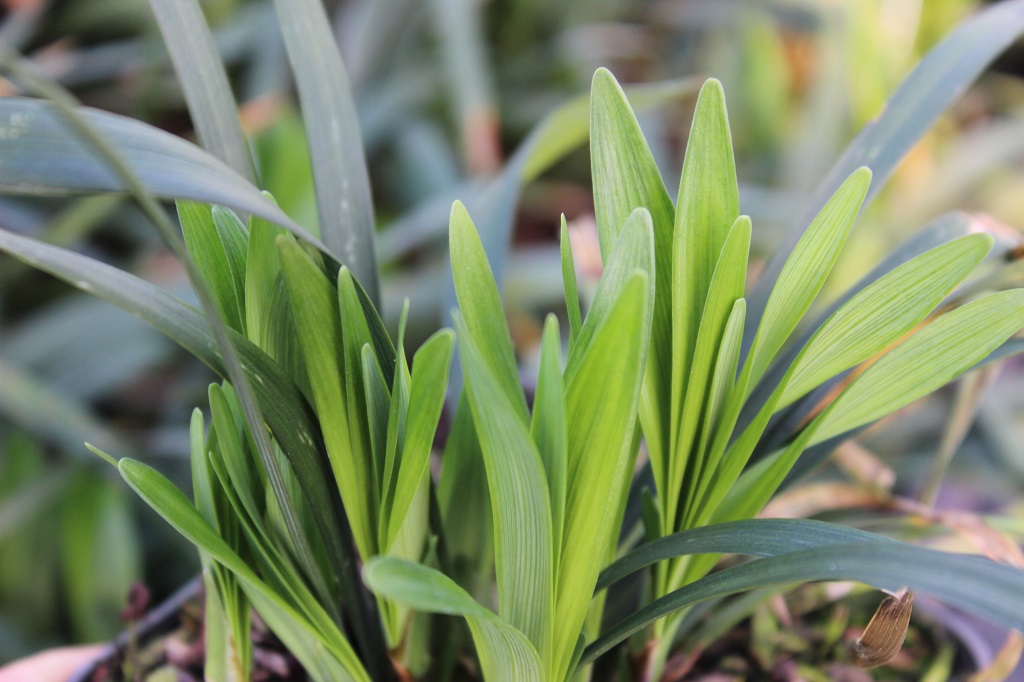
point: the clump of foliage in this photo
(314, 502)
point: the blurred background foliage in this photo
(447, 91)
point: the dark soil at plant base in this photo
(804, 637)
(166, 645)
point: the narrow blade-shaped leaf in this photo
(314, 306)
(937, 81)
(981, 586)
(548, 427)
(883, 312)
(342, 181)
(626, 177)
(208, 251)
(601, 401)
(481, 307)
(724, 289)
(572, 295)
(519, 498)
(931, 358)
(204, 81)
(426, 397)
(707, 206)
(43, 155)
(316, 646)
(805, 271)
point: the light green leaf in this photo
(601, 402)
(481, 307)
(319, 646)
(378, 407)
(883, 312)
(625, 177)
(937, 81)
(572, 295)
(707, 206)
(634, 250)
(208, 251)
(805, 271)
(724, 289)
(315, 309)
(426, 397)
(238, 464)
(355, 335)
(548, 427)
(504, 651)
(519, 498)
(235, 238)
(931, 358)
(262, 269)
(718, 423)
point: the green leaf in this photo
(805, 271)
(43, 155)
(719, 422)
(943, 229)
(572, 296)
(208, 251)
(938, 80)
(319, 646)
(625, 178)
(883, 312)
(548, 427)
(481, 308)
(758, 537)
(262, 277)
(707, 206)
(246, 481)
(601, 402)
(378, 409)
(981, 586)
(315, 309)
(929, 359)
(342, 182)
(284, 408)
(524, 554)
(204, 81)
(724, 289)
(355, 335)
(504, 651)
(426, 397)
(235, 238)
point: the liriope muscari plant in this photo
(311, 474)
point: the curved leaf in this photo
(972, 583)
(935, 83)
(505, 653)
(883, 312)
(43, 155)
(929, 359)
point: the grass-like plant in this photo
(314, 502)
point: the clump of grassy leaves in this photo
(316, 459)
